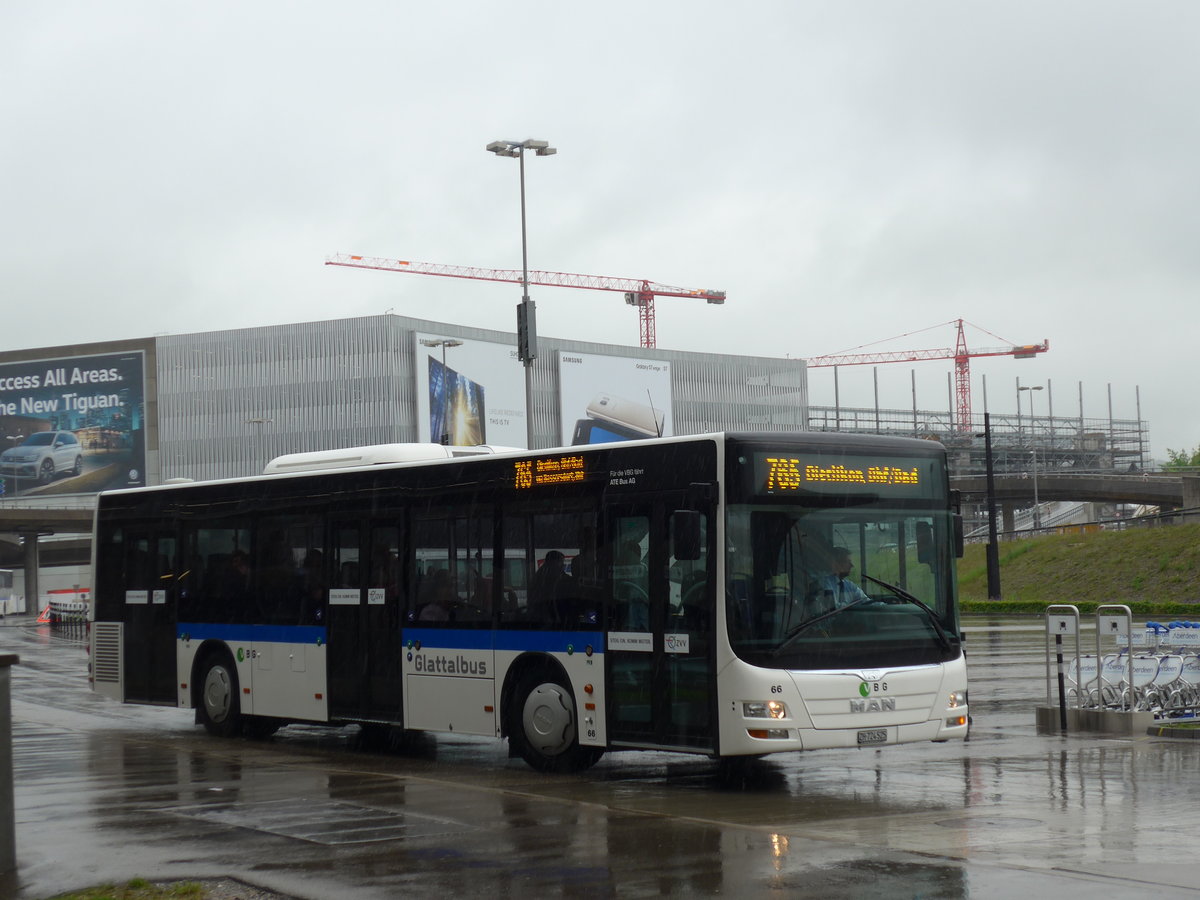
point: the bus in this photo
(6, 592)
(662, 594)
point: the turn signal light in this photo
(768, 733)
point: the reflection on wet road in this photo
(109, 792)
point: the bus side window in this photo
(549, 572)
(433, 588)
(222, 591)
(473, 540)
(689, 579)
(558, 597)
(513, 569)
(630, 577)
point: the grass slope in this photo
(1152, 570)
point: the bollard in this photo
(1062, 687)
(8, 842)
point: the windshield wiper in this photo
(902, 594)
(791, 636)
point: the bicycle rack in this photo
(1113, 705)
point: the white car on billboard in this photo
(43, 455)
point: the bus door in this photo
(363, 623)
(149, 584)
(659, 646)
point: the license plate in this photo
(874, 736)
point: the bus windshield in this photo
(819, 589)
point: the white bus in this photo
(6, 591)
(670, 593)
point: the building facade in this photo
(228, 401)
(79, 419)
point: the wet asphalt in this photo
(106, 792)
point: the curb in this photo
(1174, 731)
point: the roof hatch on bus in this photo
(374, 455)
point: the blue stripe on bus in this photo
(483, 639)
(246, 634)
(441, 638)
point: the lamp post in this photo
(444, 439)
(526, 324)
(993, 547)
(1037, 510)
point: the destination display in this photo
(784, 473)
(550, 470)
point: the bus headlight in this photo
(764, 709)
(957, 699)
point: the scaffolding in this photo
(1064, 444)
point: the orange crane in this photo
(638, 291)
(960, 354)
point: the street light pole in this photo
(444, 438)
(526, 323)
(1037, 509)
(993, 547)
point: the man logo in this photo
(887, 704)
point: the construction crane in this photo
(960, 354)
(638, 291)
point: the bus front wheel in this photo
(544, 726)
(220, 710)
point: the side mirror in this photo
(959, 542)
(686, 533)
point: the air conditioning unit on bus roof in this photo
(374, 455)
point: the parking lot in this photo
(109, 792)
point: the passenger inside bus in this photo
(232, 586)
(552, 594)
(441, 600)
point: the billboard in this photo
(613, 398)
(73, 424)
(469, 392)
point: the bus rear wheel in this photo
(220, 709)
(544, 726)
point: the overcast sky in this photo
(846, 172)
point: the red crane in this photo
(960, 354)
(638, 291)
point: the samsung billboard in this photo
(613, 398)
(73, 424)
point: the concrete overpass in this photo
(1168, 491)
(22, 525)
(1165, 491)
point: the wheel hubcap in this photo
(216, 694)
(549, 719)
